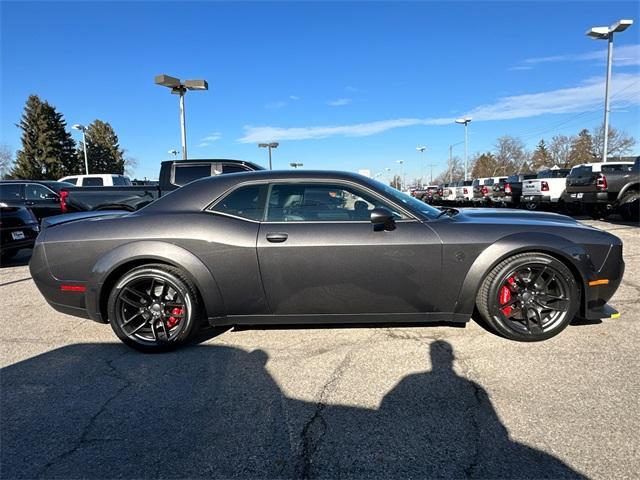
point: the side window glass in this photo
(183, 174)
(320, 202)
(73, 180)
(228, 168)
(245, 202)
(10, 191)
(92, 182)
(33, 191)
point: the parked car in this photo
(508, 191)
(602, 188)
(449, 192)
(482, 191)
(173, 174)
(319, 247)
(41, 197)
(547, 190)
(97, 180)
(464, 191)
(18, 229)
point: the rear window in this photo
(580, 171)
(560, 173)
(92, 182)
(73, 180)
(229, 168)
(10, 191)
(183, 174)
(488, 182)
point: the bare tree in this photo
(6, 160)
(560, 150)
(619, 143)
(484, 165)
(130, 164)
(511, 156)
(396, 182)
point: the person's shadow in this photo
(103, 411)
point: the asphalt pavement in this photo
(417, 402)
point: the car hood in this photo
(514, 216)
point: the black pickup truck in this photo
(173, 174)
(604, 188)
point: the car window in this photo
(33, 191)
(183, 174)
(10, 191)
(620, 168)
(229, 168)
(119, 180)
(580, 171)
(245, 202)
(558, 173)
(322, 202)
(73, 180)
(92, 182)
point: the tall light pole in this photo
(451, 160)
(402, 179)
(606, 33)
(421, 151)
(269, 146)
(83, 129)
(179, 87)
(465, 121)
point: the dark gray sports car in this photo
(321, 247)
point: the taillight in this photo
(544, 186)
(465, 191)
(507, 188)
(63, 200)
(484, 190)
(601, 182)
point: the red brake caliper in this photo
(173, 321)
(505, 295)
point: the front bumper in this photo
(602, 284)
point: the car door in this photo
(319, 253)
(42, 201)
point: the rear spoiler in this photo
(72, 217)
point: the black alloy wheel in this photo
(529, 297)
(153, 308)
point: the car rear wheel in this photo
(154, 308)
(529, 297)
(629, 207)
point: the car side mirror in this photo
(382, 219)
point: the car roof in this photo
(209, 160)
(49, 183)
(600, 164)
(198, 194)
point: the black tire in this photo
(156, 311)
(561, 296)
(629, 207)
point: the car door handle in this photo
(30, 203)
(277, 237)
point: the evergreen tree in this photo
(48, 151)
(581, 149)
(103, 150)
(541, 158)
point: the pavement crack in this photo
(84, 439)
(315, 428)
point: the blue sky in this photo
(341, 85)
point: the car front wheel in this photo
(529, 297)
(153, 308)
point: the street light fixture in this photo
(83, 129)
(295, 165)
(173, 152)
(180, 88)
(269, 146)
(606, 33)
(465, 121)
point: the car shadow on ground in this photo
(20, 260)
(104, 411)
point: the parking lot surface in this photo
(327, 402)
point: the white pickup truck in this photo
(547, 190)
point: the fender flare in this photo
(153, 250)
(628, 187)
(572, 253)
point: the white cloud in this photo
(339, 102)
(210, 139)
(294, 97)
(521, 67)
(623, 55)
(584, 97)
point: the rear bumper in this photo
(589, 197)
(536, 199)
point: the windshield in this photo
(409, 202)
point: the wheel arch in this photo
(110, 267)
(573, 255)
(630, 187)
